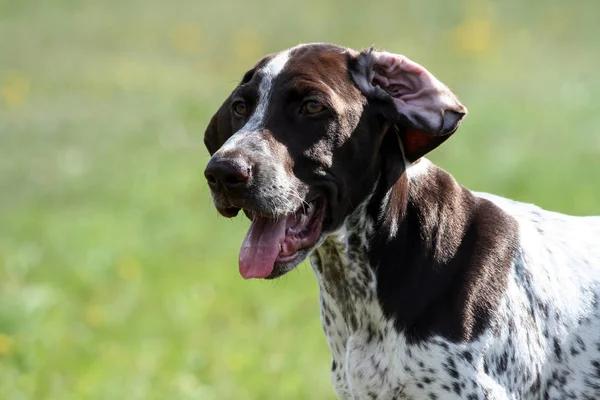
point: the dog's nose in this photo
(231, 174)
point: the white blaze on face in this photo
(250, 131)
(275, 188)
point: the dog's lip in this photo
(286, 259)
(228, 212)
(314, 229)
(303, 231)
(283, 265)
(250, 212)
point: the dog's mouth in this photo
(273, 246)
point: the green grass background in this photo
(117, 278)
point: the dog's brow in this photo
(267, 75)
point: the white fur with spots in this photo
(544, 341)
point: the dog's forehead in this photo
(318, 62)
(319, 56)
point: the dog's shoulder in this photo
(573, 236)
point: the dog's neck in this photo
(433, 254)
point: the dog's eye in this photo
(312, 107)
(240, 108)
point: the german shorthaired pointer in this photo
(428, 290)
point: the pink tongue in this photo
(261, 247)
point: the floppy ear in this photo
(411, 97)
(219, 128)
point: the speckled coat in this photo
(542, 341)
(428, 290)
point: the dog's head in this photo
(298, 143)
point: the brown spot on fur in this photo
(446, 269)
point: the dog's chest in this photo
(370, 358)
(354, 328)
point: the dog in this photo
(427, 290)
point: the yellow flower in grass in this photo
(473, 35)
(7, 344)
(14, 89)
(95, 316)
(129, 269)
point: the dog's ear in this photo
(409, 96)
(220, 127)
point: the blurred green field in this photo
(117, 278)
